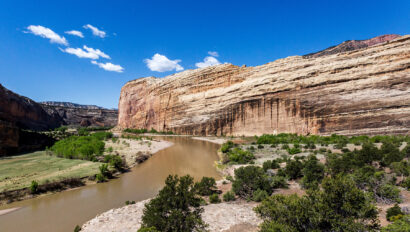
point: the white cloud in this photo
(161, 63)
(98, 52)
(76, 33)
(213, 53)
(109, 66)
(208, 61)
(47, 33)
(95, 31)
(89, 53)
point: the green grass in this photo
(17, 172)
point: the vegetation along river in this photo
(63, 211)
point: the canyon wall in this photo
(19, 114)
(364, 91)
(82, 115)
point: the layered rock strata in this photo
(18, 114)
(365, 91)
(82, 115)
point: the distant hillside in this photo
(71, 105)
(81, 115)
(351, 45)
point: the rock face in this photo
(351, 45)
(364, 91)
(81, 115)
(18, 113)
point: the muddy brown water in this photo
(63, 211)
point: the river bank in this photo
(77, 206)
(226, 216)
(54, 174)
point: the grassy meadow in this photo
(17, 172)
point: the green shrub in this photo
(249, 179)
(239, 156)
(259, 195)
(175, 208)
(77, 228)
(129, 202)
(313, 172)
(338, 206)
(400, 225)
(393, 211)
(214, 198)
(227, 146)
(109, 149)
(34, 187)
(229, 196)
(260, 146)
(148, 229)
(270, 164)
(390, 154)
(115, 161)
(293, 150)
(206, 186)
(135, 131)
(104, 170)
(100, 178)
(278, 182)
(271, 226)
(388, 193)
(406, 183)
(293, 169)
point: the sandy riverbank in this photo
(220, 217)
(134, 151)
(216, 140)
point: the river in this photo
(63, 211)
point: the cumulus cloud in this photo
(47, 33)
(89, 53)
(75, 33)
(95, 31)
(109, 66)
(213, 53)
(208, 61)
(161, 63)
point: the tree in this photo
(313, 172)
(339, 206)
(249, 179)
(176, 208)
(293, 169)
(206, 186)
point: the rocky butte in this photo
(359, 90)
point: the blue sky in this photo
(182, 33)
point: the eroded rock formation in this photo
(365, 91)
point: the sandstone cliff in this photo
(18, 113)
(81, 115)
(365, 91)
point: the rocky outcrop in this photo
(82, 115)
(365, 91)
(351, 45)
(17, 114)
